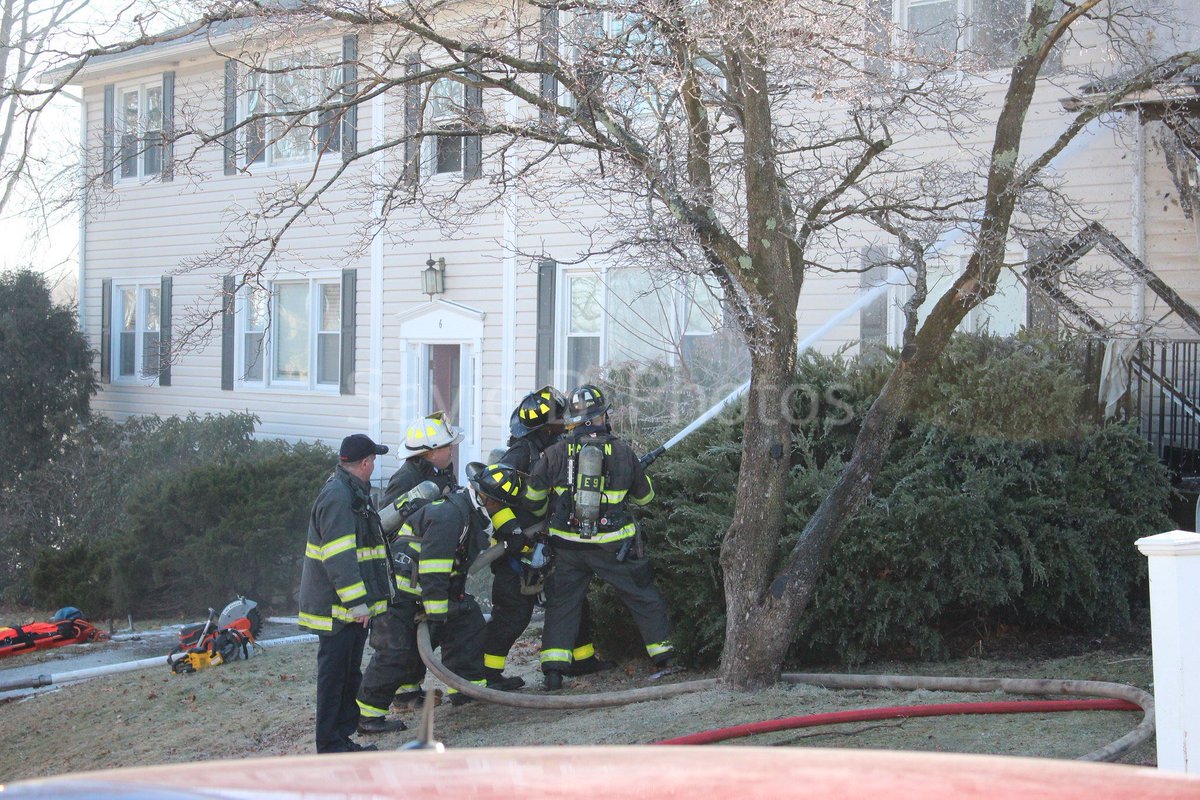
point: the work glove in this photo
(514, 543)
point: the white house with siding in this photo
(342, 338)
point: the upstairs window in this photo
(989, 30)
(139, 126)
(293, 86)
(445, 142)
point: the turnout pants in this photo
(566, 590)
(511, 612)
(338, 676)
(397, 662)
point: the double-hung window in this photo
(987, 29)
(291, 334)
(136, 330)
(281, 105)
(630, 314)
(446, 108)
(139, 130)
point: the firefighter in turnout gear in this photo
(346, 581)
(429, 442)
(435, 547)
(593, 477)
(536, 424)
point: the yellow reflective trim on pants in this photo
(352, 592)
(493, 662)
(556, 655)
(658, 648)
(435, 565)
(585, 651)
(370, 711)
(452, 690)
(623, 532)
(436, 606)
(317, 623)
(338, 545)
(405, 688)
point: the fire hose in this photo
(1128, 698)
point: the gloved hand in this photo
(514, 544)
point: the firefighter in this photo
(536, 424)
(346, 581)
(437, 544)
(430, 443)
(593, 477)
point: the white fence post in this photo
(1175, 628)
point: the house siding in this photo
(156, 229)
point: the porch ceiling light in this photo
(433, 277)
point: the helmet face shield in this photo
(430, 433)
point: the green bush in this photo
(82, 494)
(998, 502)
(205, 512)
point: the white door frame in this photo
(445, 322)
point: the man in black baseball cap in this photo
(340, 591)
(358, 446)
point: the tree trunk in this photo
(749, 553)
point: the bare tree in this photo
(753, 143)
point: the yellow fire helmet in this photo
(430, 433)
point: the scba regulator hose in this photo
(1116, 697)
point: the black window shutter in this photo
(164, 332)
(168, 129)
(231, 137)
(106, 331)
(227, 331)
(349, 96)
(349, 304)
(544, 360)
(473, 145)
(110, 111)
(412, 122)
(548, 53)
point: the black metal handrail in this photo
(1164, 382)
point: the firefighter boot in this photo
(368, 725)
(496, 679)
(553, 680)
(589, 665)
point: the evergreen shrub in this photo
(196, 511)
(1001, 500)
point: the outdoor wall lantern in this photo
(433, 277)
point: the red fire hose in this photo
(899, 712)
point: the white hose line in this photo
(75, 676)
(1039, 686)
(574, 701)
